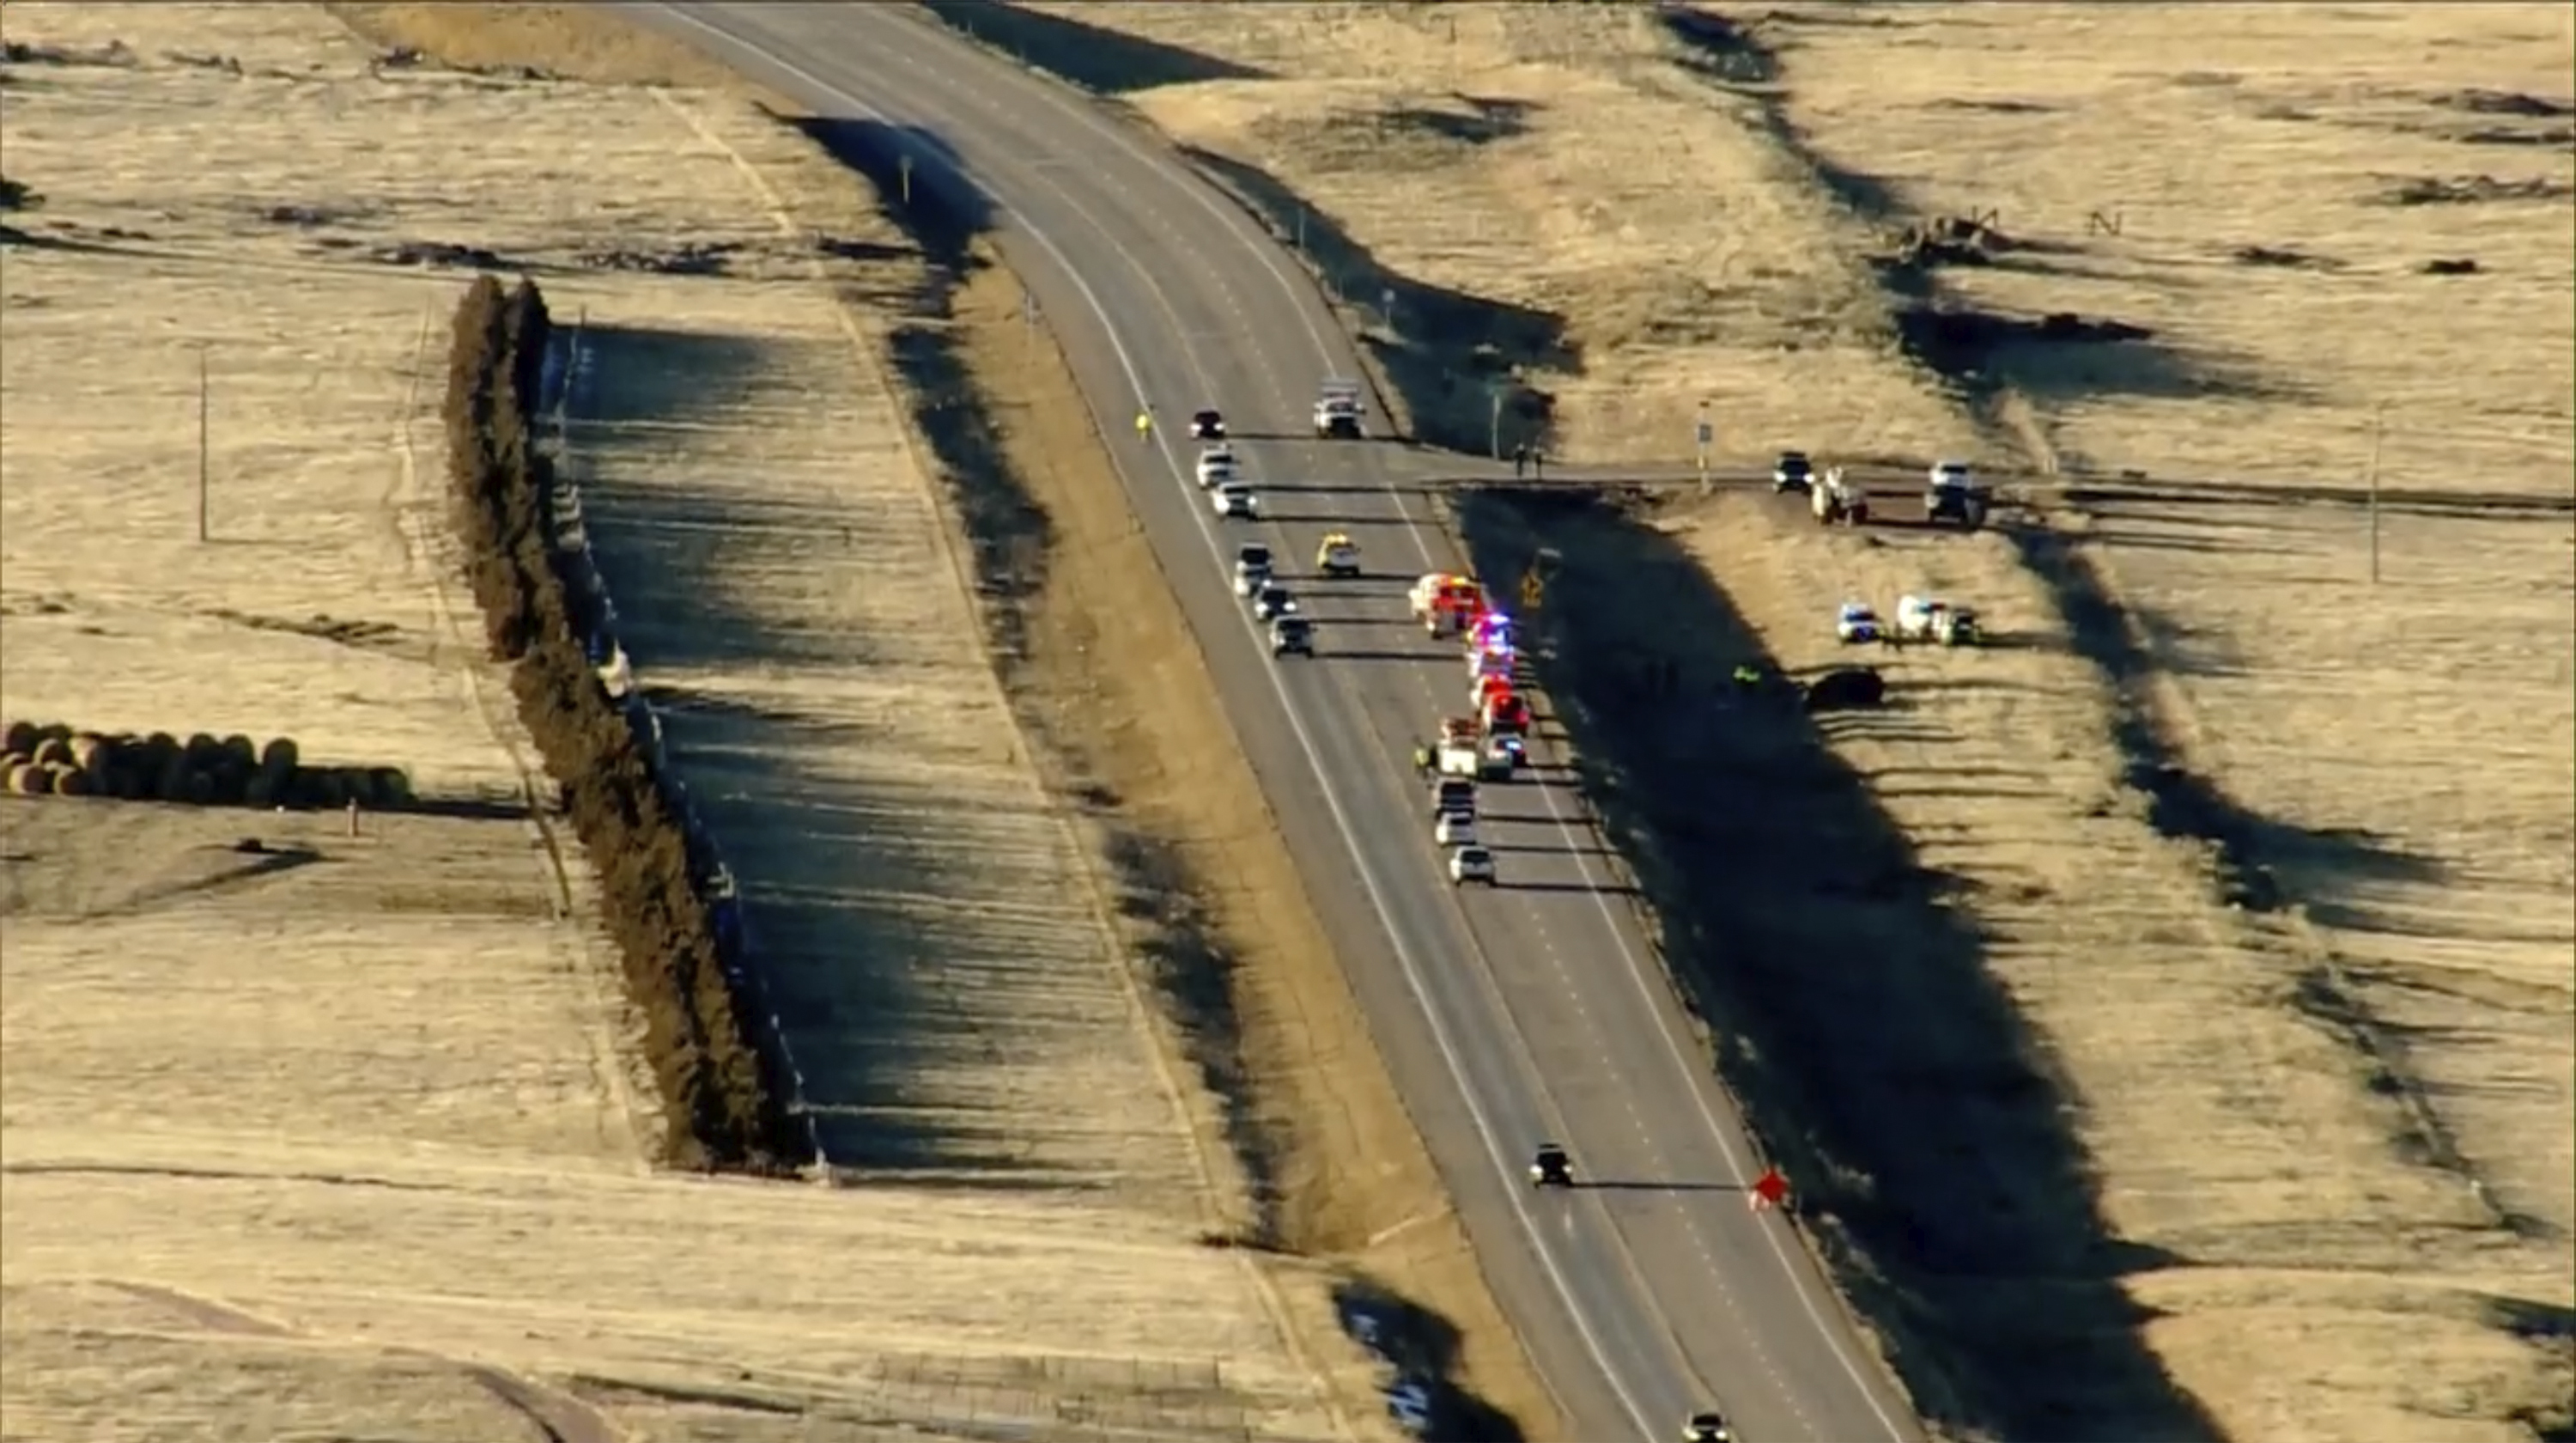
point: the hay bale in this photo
(201, 750)
(278, 758)
(53, 731)
(159, 748)
(170, 779)
(198, 790)
(52, 752)
(392, 789)
(22, 737)
(323, 788)
(89, 753)
(241, 752)
(22, 779)
(357, 784)
(227, 782)
(261, 791)
(125, 782)
(12, 759)
(70, 782)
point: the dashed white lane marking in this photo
(1410, 965)
(1798, 1281)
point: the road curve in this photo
(1534, 1011)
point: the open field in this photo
(1984, 854)
(2277, 189)
(345, 1135)
(2274, 865)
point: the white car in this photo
(1855, 623)
(1272, 602)
(1235, 501)
(1216, 464)
(1454, 829)
(1952, 473)
(1471, 864)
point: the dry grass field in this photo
(2282, 1103)
(1540, 177)
(2239, 1141)
(2277, 186)
(342, 1135)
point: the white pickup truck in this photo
(1338, 411)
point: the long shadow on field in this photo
(1109, 61)
(851, 886)
(2259, 863)
(634, 384)
(1885, 1066)
(1449, 353)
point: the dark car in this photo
(1207, 426)
(1792, 472)
(1706, 1428)
(1551, 1167)
(1292, 636)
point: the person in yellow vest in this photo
(1144, 426)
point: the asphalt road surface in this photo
(1534, 1011)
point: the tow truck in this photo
(1456, 755)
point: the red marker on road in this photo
(1768, 1191)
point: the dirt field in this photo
(2277, 889)
(263, 1173)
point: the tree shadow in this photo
(1420, 1346)
(1447, 352)
(1883, 1064)
(1091, 56)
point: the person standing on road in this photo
(1520, 459)
(1538, 464)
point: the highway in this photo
(1534, 1011)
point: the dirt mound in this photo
(709, 1053)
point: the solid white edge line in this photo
(1332, 799)
(1230, 221)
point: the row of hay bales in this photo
(202, 770)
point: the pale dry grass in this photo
(307, 1150)
(2287, 128)
(2435, 715)
(1636, 202)
(2228, 1130)
(2338, 1292)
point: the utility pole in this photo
(1494, 433)
(203, 464)
(2378, 434)
(903, 173)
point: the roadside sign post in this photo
(1707, 433)
(1494, 421)
(903, 174)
